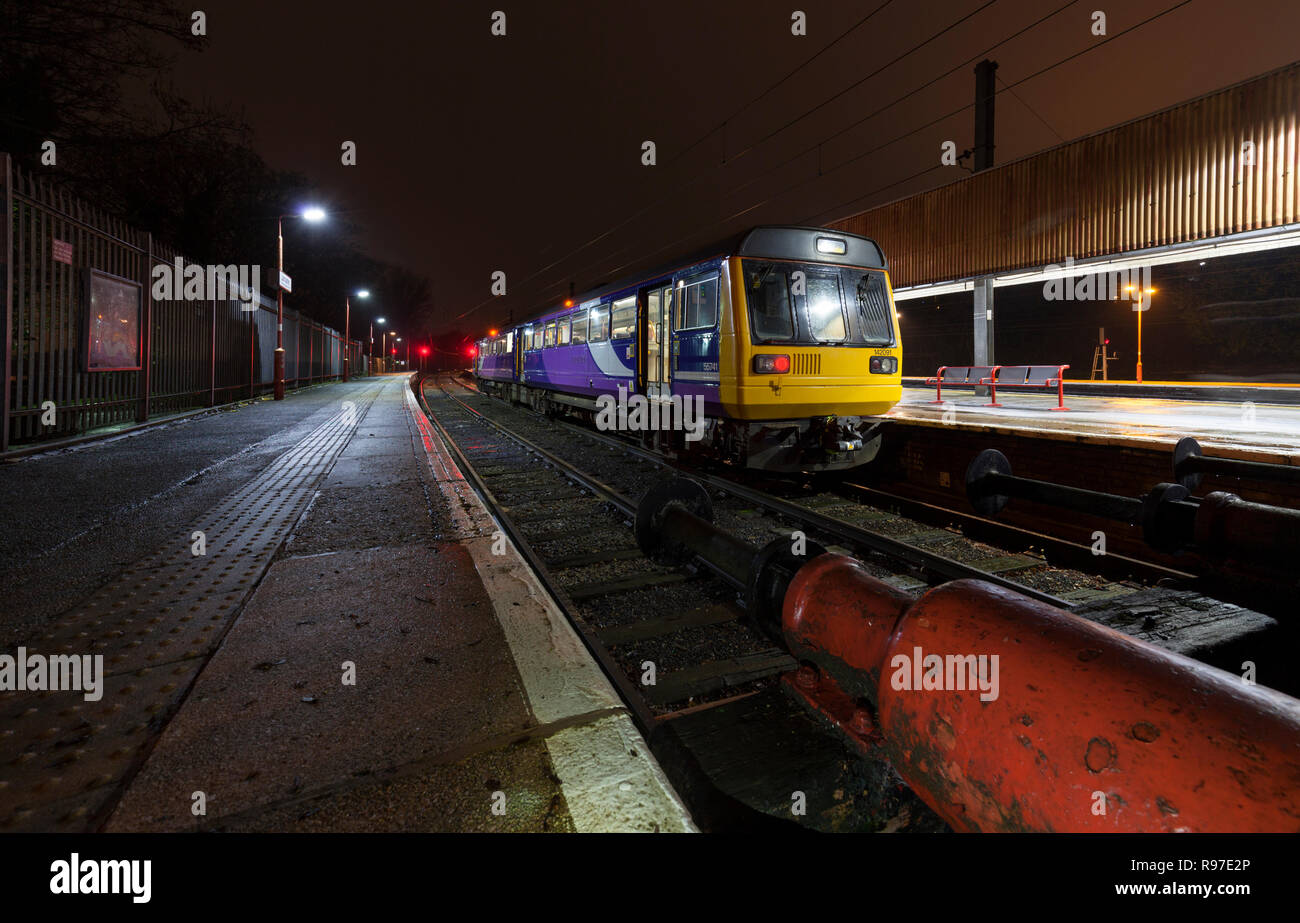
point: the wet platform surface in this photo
(1245, 429)
(336, 658)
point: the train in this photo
(784, 340)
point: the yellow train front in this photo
(809, 351)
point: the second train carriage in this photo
(788, 336)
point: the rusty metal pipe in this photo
(1064, 725)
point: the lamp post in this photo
(312, 214)
(380, 322)
(347, 326)
(1141, 309)
(383, 346)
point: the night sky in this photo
(478, 153)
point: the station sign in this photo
(285, 282)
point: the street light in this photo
(311, 213)
(383, 344)
(347, 325)
(380, 322)
(1140, 309)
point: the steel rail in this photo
(928, 562)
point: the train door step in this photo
(706, 678)
(667, 624)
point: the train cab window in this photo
(698, 304)
(562, 332)
(866, 290)
(580, 326)
(549, 339)
(622, 322)
(768, 293)
(824, 308)
(599, 331)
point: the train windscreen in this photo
(817, 305)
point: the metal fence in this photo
(191, 353)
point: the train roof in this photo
(765, 241)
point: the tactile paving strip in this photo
(62, 757)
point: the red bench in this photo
(958, 375)
(1026, 376)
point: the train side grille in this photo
(806, 364)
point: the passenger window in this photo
(623, 323)
(549, 340)
(598, 332)
(698, 306)
(562, 332)
(580, 327)
(537, 338)
(824, 308)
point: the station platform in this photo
(308, 622)
(1235, 422)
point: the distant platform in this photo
(1238, 420)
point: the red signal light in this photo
(767, 364)
(472, 351)
(424, 350)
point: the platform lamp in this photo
(1143, 305)
(312, 214)
(347, 325)
(380, 322)
(383, 345)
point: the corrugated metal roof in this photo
(1176, 176)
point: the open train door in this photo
(657, 337)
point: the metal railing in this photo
(192, 353)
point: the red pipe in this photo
(1073, 727)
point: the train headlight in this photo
(883, 365)
(768, 364)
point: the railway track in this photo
(700, 679)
